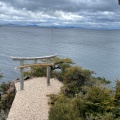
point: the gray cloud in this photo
(65, 5)
(61, 12)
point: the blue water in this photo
(97, 50)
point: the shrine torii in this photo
(35, 64)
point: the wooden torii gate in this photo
(22, 66)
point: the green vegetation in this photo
(7, 94)
(83, 96)
(36, 72)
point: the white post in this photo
(21, 75)
(48, 73)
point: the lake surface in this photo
(97, 50)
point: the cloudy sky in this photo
(82, 13)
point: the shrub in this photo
(99, 100)
(117, 99)
(79, 106)
(84, 97)
(39, 72)
(63, 111)
(74, 78)
(97, 104)
(71, 89)
(57, 74)
(77, 74)
(117, 96)
(102, 80)
(4, 87)
(62, 108)
(6, 98)
(106, 116)
(36, 72)
(63, 65)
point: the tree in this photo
(84, 96)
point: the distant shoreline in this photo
(60, 27)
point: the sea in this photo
(96, 50)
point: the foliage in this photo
(117, 90)
(6, 101)
(76, 73)
(102, 80)
(98, 103)
(7, 94)
(106, 116)
(117, 99)
(83, 96)
(74, 78)
(63, 112)
(62, 109)
(36, 72)
(99, 100)
(39, 71)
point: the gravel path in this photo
(32, 103)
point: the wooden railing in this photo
(35, 64)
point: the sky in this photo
(77, 13)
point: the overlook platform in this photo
(32, 103)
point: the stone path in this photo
(32, 103)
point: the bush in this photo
(71, 89)
(39, 72)
(6, 98)
(84, 97)
(57, 74)
(106, 116)
(98, 103)
(117, 99)
(4, 87)
(63, 108)
(63, 111)
(99, 100)
(77, 74)
(36, 72)
(102, 80)
(117, 96)
(74, 78)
